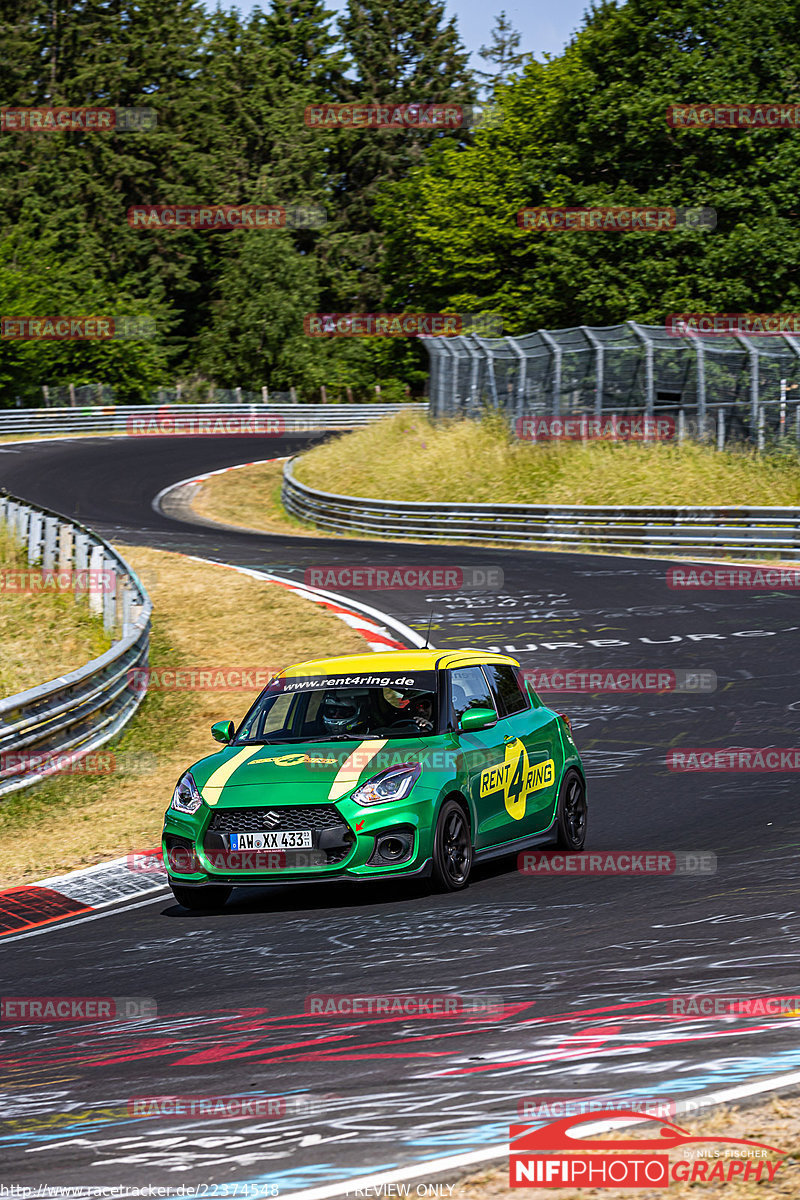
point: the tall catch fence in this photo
(624, 369)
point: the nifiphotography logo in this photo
(555, 1156)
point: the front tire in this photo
(200, 899)
(572, 813)
(452, 849)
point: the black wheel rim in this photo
(575, 813)
(456, 851)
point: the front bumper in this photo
(346, 843)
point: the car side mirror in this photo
(477, 718)
(222, 731)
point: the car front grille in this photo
(332, 836)
(253, 820)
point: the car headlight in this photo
(186, 798)
(392, 784)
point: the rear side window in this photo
(508, 695)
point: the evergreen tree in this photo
(503, 52)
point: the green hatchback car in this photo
(405, 763)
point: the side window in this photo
(507, 693)
(469, 689)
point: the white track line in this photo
(457, 1162)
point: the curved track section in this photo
(582, 968)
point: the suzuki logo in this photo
(272, 819)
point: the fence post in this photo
(293, 394)
(264, 395)
(72, 395)
(555, 351)
(521, 378)
(761, 418)
(324, 394)
(649, 372)
(681, 425)
(599, 368)
(720, 429)
(238, 392)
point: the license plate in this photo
(295, 839)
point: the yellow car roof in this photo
(393, 660)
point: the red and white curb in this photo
(78, 895)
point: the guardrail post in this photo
(109, 594)
(761, 422)
(23, 520)
(34, 537)
(720, 429)
(96, 580)
(49, 543)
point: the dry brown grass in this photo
(205, 616)
(248, 497)
(44, 634)
(408, 457)
(775, 1122)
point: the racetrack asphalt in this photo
(582, 967)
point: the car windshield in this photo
(343, 708)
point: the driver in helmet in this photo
(420, 710)
(344, 713)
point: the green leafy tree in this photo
(589, 128)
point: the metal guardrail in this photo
(78, 712)
(743, 532)
(127, 419)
